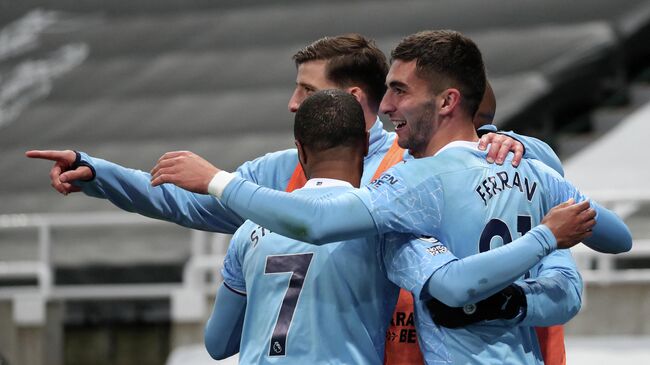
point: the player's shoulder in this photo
(284, 156)
(271, 170)
(541, 169)
(241, 236)
(460, 156)
(422, 169)
(288, 157)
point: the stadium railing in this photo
(604, 269)
(201, 272)
(206, 257)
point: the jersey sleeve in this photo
(222, 334)
(272, 170)
(476, 277)
(131, 190)
(554, 296)
(411, 261)
(232, 271)
(308, 219)
(428, 269)
(538, 150)
(610, 234)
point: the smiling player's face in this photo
(310, 78)
(411, 107)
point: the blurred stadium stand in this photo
(130, 80)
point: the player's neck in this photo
(349, 170)
(450, 131)
(370, 118)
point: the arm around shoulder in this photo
(300, 217)
(476, 277)
(538, 150)
(610, 234)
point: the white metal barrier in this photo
(601, 269)
(199, 275)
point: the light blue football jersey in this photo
(309, 304)
(472, 206)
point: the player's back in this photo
(481, 206)
(486, 206)
(311, 304)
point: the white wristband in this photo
(219, 182)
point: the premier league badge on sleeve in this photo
(437, 248)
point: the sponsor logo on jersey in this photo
(384, 179)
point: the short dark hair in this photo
(446, 58)
(352, 59)
(329, 118)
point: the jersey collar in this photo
(325, 183)
(455, 144)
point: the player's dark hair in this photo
(446, 59)
(352, 60)
(329, 118)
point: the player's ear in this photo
(358, 93)
(449, 100)
(302, 155)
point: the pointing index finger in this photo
(64, 156)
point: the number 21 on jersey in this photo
(498, 228)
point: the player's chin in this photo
(403, 141)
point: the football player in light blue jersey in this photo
(305, 304)
(286, 301)
(455, 196)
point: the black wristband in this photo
(506, 304)
(79, 162)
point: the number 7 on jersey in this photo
(297, 265)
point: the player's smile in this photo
(401, 129)
(398, 123)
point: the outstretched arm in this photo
(317, 221)
(131, 190)
(224, 327)
(306, 219)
